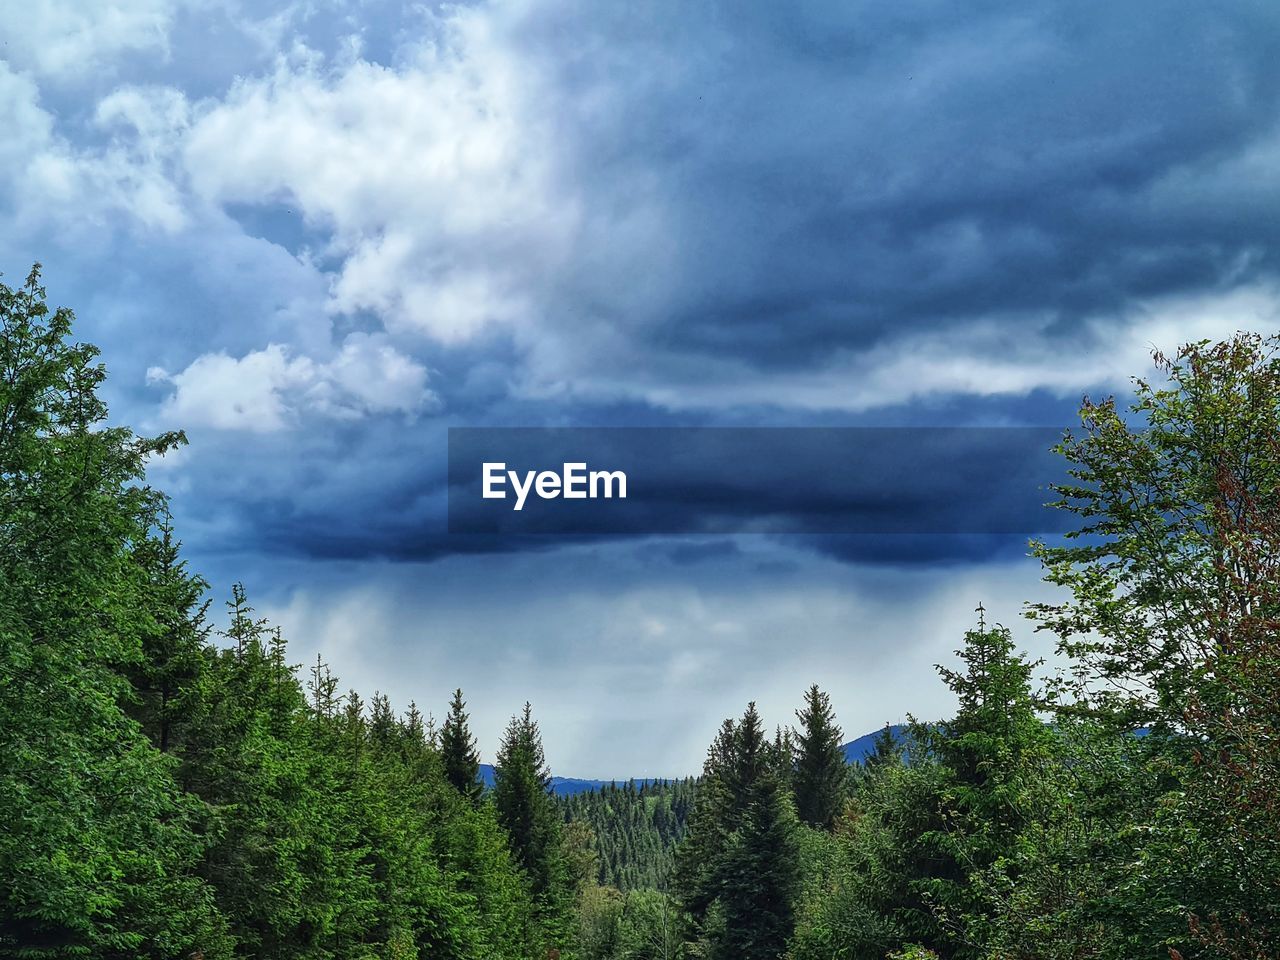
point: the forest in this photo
(170, 789)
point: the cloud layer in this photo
(839, 207)
(316, 235)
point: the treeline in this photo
(634, 828)
(167, 792)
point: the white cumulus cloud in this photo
(437, 177)
(269, 390)
(71, 38)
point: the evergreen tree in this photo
(164, 795)
(98, 849)
(994, 752)
(168, 679)
(885, 749)
(737, 869)
(271, 804)
(458, 751)
(758, 872)
(820, 772)
(710, 825)
(635, 830)
(525, 809)
(996, 725)
(782, 755)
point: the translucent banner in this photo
(806, 480)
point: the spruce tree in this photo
(522, 797)
(996, 726)
(168, 678)
(885, 750)
(525, 808)
(737, 869)
(98, 848)
(458, 751)
(992, 755)
(760, 866)
(166, 796)
(710, 822)
(820, 774)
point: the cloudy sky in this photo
(315, 234)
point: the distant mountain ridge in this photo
(562, 786)
(855, 751)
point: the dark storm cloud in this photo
(838, 174)
(775, 184)
(952, 550)
(923, 480)
(911, 495)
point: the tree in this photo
(820, 770)
(165, 794)
(710, 823)
(736, 871)
(458, 751)
(635, 831)
(98, 851)
(885, 749)
(168, 679)
(1151, 561)
(994, 752)
(1172, 619)
(525, 809)
(1236, 767)
(922, 857)
(282, 861)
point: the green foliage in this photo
(820, 775)
(637, 925)
(526, 810)
(168, 793)
(913, 952)
(736, 871)
(635, 827)
(1151, 562)
(886, 749)
(1172, 621)
(458, 751)
(844, 898)
(99, 846)
(990, 840)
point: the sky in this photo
(315, 235)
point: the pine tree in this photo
(759, 869)
(635, 830)
(99, 848)
(886, 749)
(522, 800)
(996, 725)
(458, 751)
(167, 796)
(783, 755)
(991, 755)
(711, 821)
(251, 761)
(820, 774)
(167, 680)
(737, 870)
